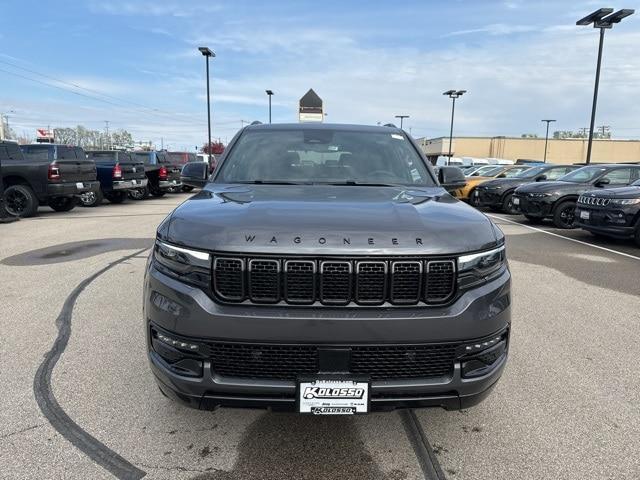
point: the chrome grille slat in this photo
(334, 281)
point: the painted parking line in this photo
(540, 230)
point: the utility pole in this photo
(604, 128)
(546, 139)
(106, 126)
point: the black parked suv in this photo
(612, 212)
(53, 175)
(323, 269)
(557, 200)
(497, 194)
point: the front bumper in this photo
(130, 184)
(488, 198)
(618, 223)
(533, 207)
(175, 308)
(167, 184)
(68, 189)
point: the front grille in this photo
(288, 362)
(331, 281)
(594, 201)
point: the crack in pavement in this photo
(17, 432)
(51, 409)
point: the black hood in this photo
(620, 192)
(328, 219)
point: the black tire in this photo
(156, 192)
(564, 215)
(536, 220)
(117, 197)
(187, 188)
(63, 204)
(139, 193)
(507, 205)
(91, 199)
(637, 235)
(20, 201)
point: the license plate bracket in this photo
(584, 214)
(333, 395)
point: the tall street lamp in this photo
(401, 117)
(602, 19)
(208, 53)
(453, 94)
(546, 139)
(269, 93)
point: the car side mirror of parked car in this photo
(541, 178)
(502, 175)
(451, 178)
(602, 182)
(195, 174)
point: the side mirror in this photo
(541, 178)
(502, 175)
(451, 178)
(602, 182)
(195, 174)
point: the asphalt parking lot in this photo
(79, 401)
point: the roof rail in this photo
(256, 122)
(391, 125)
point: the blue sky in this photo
(520, 61)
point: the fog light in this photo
(476, 347)
(176, 343)
(484, 360)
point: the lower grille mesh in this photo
(287, 362)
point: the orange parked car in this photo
(499, 171)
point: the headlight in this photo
(481, 267)
(625, 201)
(540, 195)
(191, 266)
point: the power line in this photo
(92, 97)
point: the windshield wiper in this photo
(355, 183)
(267, 182)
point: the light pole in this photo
(546, 139)
(402, 117)
(208, 53)
(453, 94)
(602, 19)
(269, 93)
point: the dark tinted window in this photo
(66, 153)
(163, 157)
(325, 156)
(102, 157)
(144, 157)
(10, 151)
(37, 152)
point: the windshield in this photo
(324, 156)
(531, 172)
(488, 171)
(515, 172)
(582, 175)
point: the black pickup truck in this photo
(53, 175)
(162, 173)
(118, 172)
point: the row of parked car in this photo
(603, 199)
(64, 176)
